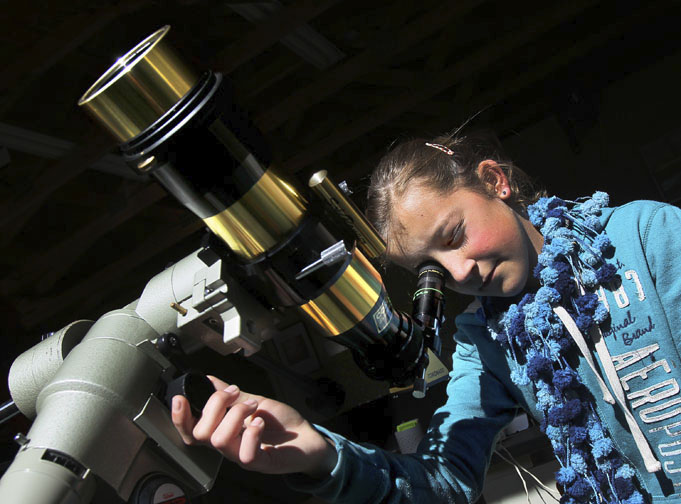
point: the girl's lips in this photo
(489, 277)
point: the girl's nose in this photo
(461, 269)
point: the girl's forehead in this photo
(415, 215)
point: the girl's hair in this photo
(449, 162)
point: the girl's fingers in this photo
(217, 382)
(182, 419)
(250, 441)
(227, 435)
(214, 412)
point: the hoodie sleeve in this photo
(662, 248)
(451, 461)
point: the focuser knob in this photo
(196, 387)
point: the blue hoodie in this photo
(643, 342)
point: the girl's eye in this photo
(455, 236)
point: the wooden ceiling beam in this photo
(15, 212)
(44, 268)
(462, 108)
(248, 91)
(54, 46)
(464, 68)
(387, 47)
(520, 81)
(83, 298)
(394, 77)
(269, 32)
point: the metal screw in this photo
(21, 439)
(343, 186)
(146, 164)
(179, 308)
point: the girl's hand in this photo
(257, 433)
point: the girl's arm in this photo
(452, 459)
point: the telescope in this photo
(99, 391)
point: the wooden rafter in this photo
(269, 32)
(17, 211)
(89, 293)
(47, 51)
(50, 265)
(461, 108)
(475, 62)
(387, 47)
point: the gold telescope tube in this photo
(349, 300)
(261, 218)
(368, 239)
(146, 83)
(140, 87)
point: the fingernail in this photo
(176, 404)
(250, 402)
(257, 422)
(231, 389)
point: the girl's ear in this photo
(494, 178)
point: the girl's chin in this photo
(516, 288)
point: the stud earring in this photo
(503, 193)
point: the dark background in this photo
(583, 94)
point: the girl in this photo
(574, 321)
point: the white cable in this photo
(554, 494)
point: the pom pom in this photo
(566, 343)
(545, 400)
(523, 340)
(544, 259)
(501, 337)
(588, 277)
(563, 379)
(550, 226)
(554, 433)
(601, 198)
(547, 295)
(557, 213)
(605, 273)
(578, 463)
(594, 222)
(554, 202)
(554, 349)
(539, 366)
(565, 476)
(516, 326)
(584, 322)
(592, 260)
(579, 489)
(564, 284)
(596, 432)
(587, 302)
(634, 498)
(602, 448)
(561, 414)
(577, 434)
(623, 487)
(601, 314)
(537, 211)
(626, 472)
(602, 243)
(519, 376)
(549, 276)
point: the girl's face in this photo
(487, 248)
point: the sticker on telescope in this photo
(169, 493)
(382, 317)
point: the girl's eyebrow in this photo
(452, 216)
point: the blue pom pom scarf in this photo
(540, 330)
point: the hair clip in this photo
(442, 148)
